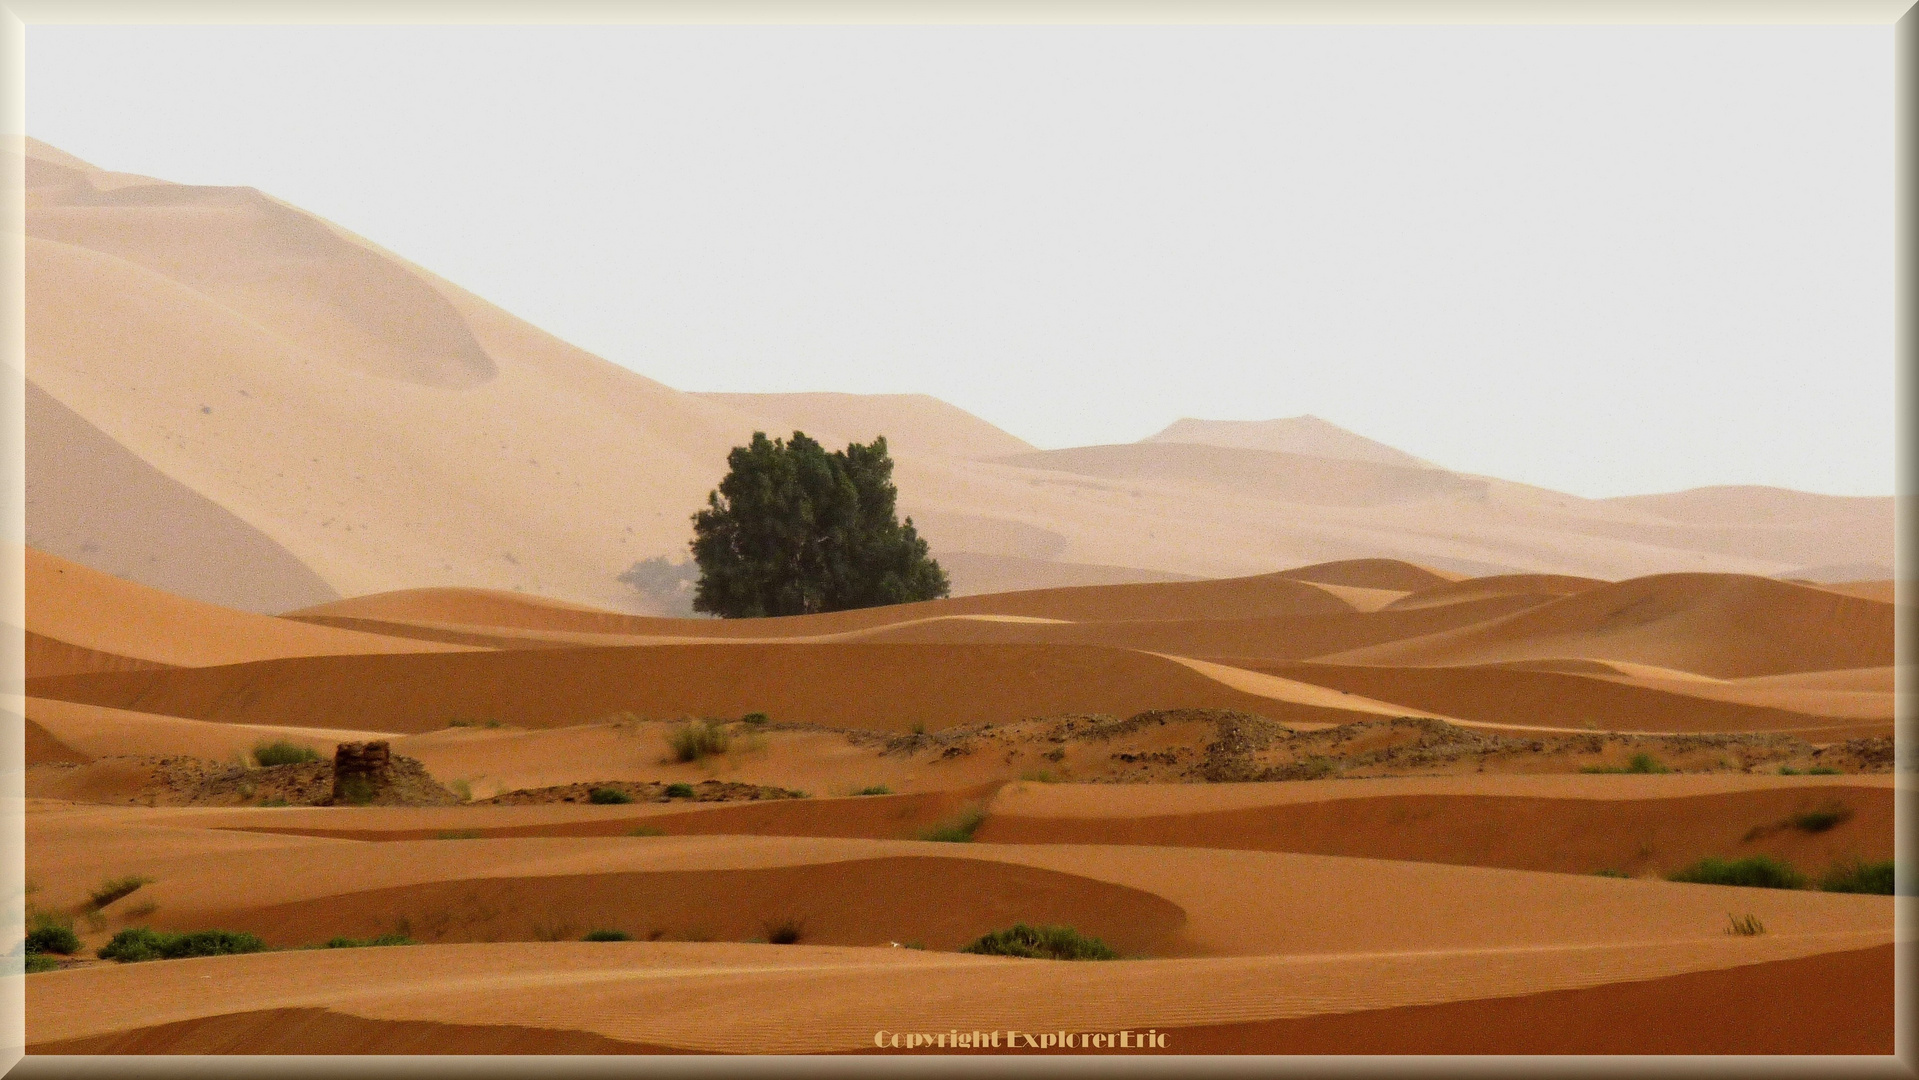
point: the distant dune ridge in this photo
(315, 417)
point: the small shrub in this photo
(1750, 926)
(281, 752)
(1611, 873)
(1756, 871)
(876, 789)
(1859, 876)
(137, 943)
(1787, 770)
(645, 830)
(607, 935)
(607, 796)
(109, 891)
(919, 727)
(461, 788)
(51, 933)
(457, 834)
(956, 830)
(1820, 820)
(698, 739)
(369, 943)
(1822, 770)
(1041, 943)
(1646, 763)
(38, 962)
(679, 791)
(1039, 776)
(784, 931)
(754, 718)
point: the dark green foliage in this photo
(1822, 770)
(367, 943)
(1042, 943)
(956, 830)
(755, 718)
(697, 739)
(785, 931)
(1821, 819)
(607, 935)
(1756, 871)
(137, 943)
(1859, 877)
(38, 962)
(876, 789)
(679, 791)
(1638, 763)
(608, 796)
(795, 530)
(49, 932)
(114, 889)
(284, 753)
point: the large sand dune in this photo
(256, 374)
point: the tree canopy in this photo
(795, 530)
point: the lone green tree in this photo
(795, 530)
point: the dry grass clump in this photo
(1750, 926)
(1041, 943)
(958, 829)
(113, 889)
(697, 739)
(1859, 876)
(281, 752)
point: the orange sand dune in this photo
(1542, 585)
(886, 687)
(1723, 625)
(84, 608)
(104, 732)
(940, 903)
(1225, 598)
(1373, 574)
(911, 423)
(50, 656)
(1273, 637)
(1831, 1003)
(1578, 836)
(42, 746)
(1507, 695)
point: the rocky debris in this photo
(643, 791)
(361, 771)
(192, 781)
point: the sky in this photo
(1607, 261)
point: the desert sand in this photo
(1338, 749)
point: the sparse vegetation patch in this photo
(1815, 821)
(608, 796)
(958, 829)
(1041, 943)
(369, 943)
(137, 943)
(697, 739)
(607, 935)
(1750, 926)
(1859, 876)
(1755, 871)
(115, 888)
(281, 752)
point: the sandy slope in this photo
(886, 687)
(1727, 626)
(913, 424)
(250, 359)
(78, 606)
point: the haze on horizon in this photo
(1604, 261)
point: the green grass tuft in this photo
(1822, 770)
(1859, 876)
(1821, 819)
(137, 943)
(282, 752)
(607, 935)
(679, 791)
(1042, 943)
(1755, 871)
(38, 962)
(1750, 926)
(876, 789)
(51, 932)
(958, 829)
(606, 796)
(369, 943)
(461, 788)
(698, 739)
(755, 718)
(109, 891)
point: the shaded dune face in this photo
(1576, 836)
(318, 290)
(935, 902)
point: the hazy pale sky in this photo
(1607, 261)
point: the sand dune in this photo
(1727, 626)
(1380, 574)
(887, 687)
(1266, 474)
(72, 605)
(1453, 592)
(1294, 435)
(914, 424)
(103, 732)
